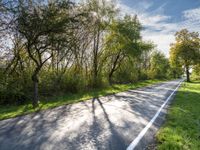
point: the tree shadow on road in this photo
(115, 140)
(37, 130)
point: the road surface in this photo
(105, 123)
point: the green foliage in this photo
(124, 47)
(159, 66)
(13, 90)
(127, 73)
(196, 72)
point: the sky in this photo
(161, 19)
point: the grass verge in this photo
(182, 128)
(13, 111)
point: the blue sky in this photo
(162, 18)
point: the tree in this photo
(39, 25)
(123, 41)
(101, 12)
(144, 60)
(159, 65)
(114, 53)
(186, 50)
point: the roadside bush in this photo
(196, 72)
(12, 91)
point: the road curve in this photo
(105, 123)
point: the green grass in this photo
(13, 111)
(182, 128)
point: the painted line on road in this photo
(143, 132)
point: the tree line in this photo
(55, 47)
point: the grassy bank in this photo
(182, 128)
(13, 111)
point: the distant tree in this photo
(159, 65)
(176, 68)
(144, 60)
(186, 50)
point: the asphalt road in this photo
(105, 123)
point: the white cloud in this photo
(157, 26)
(192, 19)
(124, 9)
(192, 14)
(163, 41)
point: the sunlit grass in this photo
(13, 111)
(182, 128)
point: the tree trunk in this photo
(95, 57)
(174, 74)
(110, 77)
(114, 67)
(36, 95)
(187, 74)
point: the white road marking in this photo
(143, 132)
